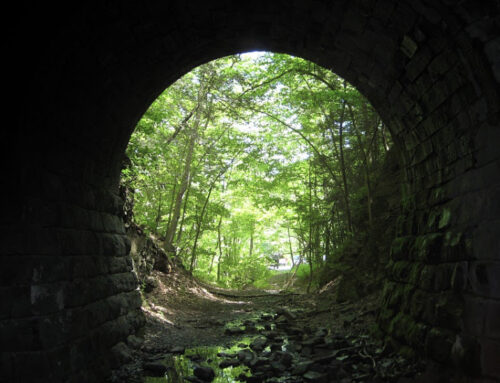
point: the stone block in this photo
(19, 300)
(20, 335)
(456, 246)
(27, 366)
(112, 223)
(418, 63)
(488, 153)
(59, 363)
(427, 277)
(87, 266)
(427, 248)
(417, 303)
(118, 265)
(429, 311)
(401, 325)
(459, 280)
(485, 278)
(474, 316)
(449, 311)
(54, 330)
(414, 275)
(490, 357)
(385, 318)
(486, 241)
(400, 248)
(47, 298)
(115, 244)
(438, 344)
(442, 276)
(415, 333)
(492, 323)
(16, 270)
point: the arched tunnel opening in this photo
(261, 190)
(430, 69)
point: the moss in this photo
(415, 271)
(427, 248)
(407, 352)
(417, 303)
(445, 219)
(400, 248)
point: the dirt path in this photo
(182, 312)
(308, 331)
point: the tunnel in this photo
(79, 78)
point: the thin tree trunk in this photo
(310, 260)
(366, 167)
(343, 166)
(199, 225)
(172, 200)
(290, 245)
(251, 244)
(184, 208)
(216, 247)
(172, 228)
(384, 139)
(158, 212)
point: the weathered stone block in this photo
(492, 324)
(459, 280)
(456, 246)
(438, 344)
(417, 303)
(415, 333)
(427, 276)
(47, 298)
(427, 248)
(401, 247)
(485, 278)
(486, 241)
(490, 352)
(449, 311)
(112, 223)
(475, 309)
(20, 335)
(442, 277)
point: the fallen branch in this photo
(250, 296)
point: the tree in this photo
(249, 157)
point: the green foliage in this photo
(250, 158)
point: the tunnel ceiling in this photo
(84, 76)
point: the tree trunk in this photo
(199, 225)
(158, 212)
(172, 200)
(172, 228)
(217, 246)
(343, 166)
(184, 208)
(251, 244)
(290, 245)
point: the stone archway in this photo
(430, 68)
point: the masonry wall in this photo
(84, 76)
(67, 293)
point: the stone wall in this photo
(439, 298)
(68, 291)
(84, 76)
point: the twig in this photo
(367, 356)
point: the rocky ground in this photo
(258, 336)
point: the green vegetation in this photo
(256, 159)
